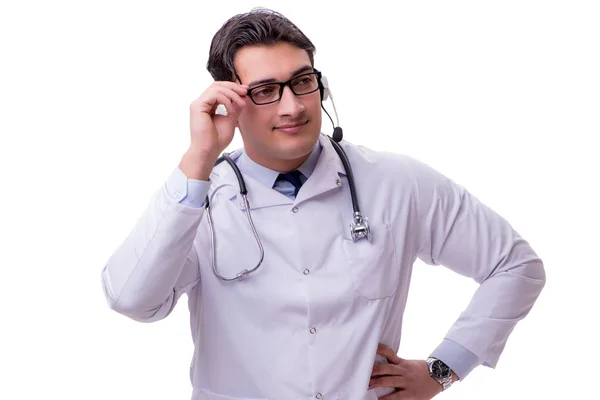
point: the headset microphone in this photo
(338, 134)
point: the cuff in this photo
(459, 359)
(188, 192)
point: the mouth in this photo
(292, 128)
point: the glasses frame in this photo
(282, 85)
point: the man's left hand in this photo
(410, 378)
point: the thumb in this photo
(225, 123)
(227, 119)
(388, 353)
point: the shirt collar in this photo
(268, 176)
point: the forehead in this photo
(278, 61)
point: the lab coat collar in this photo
(333, 160)
(325, 177)
(268, 176)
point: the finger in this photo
(232, 102)
(241, 90)
(388, 353)
(234, 112)
(397, 382)
(385, 369)
(210, 100)
(224, 100)
(397, 395)
(208, 103)
(225, 125)
(239, 99)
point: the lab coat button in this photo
(313, 331)
(319, 396)
(306, 271)
(177, 195)
(295, 209)
(338, 182)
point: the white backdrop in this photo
(503, 97)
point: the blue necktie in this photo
(294, 177)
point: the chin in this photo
(297, 145)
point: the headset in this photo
(326, 93)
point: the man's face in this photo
(266, 139)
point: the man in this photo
(286, 301)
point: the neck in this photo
(279, 165)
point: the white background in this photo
(503, 97)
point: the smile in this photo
(291, 128)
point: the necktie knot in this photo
(294, 177)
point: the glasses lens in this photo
(265, 94)
(305, 84)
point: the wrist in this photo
(454, 377)
(441, 373)
(197, 165)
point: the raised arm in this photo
(158, 261)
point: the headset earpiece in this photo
(324, 88)
(326, 94)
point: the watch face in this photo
(440, 370)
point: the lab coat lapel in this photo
(259, 196)
(326, 175)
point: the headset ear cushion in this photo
(324, 88)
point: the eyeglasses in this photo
(271, 92)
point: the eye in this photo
(264, 91)
(305, 80)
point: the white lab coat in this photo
(307, 323)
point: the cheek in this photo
(314, 103)
(315, 109)
(252, 120)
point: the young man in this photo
(286, 300)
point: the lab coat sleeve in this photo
(459, 232)
(157, 262)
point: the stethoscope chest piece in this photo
(359, 229)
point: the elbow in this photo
(541, 271)
(535, 270)
(532, 277)
(522, 261)
(137, 311)
(533, 280)
(132, 306)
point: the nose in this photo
(289, 105)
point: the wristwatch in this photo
(439, 371)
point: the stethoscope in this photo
(359, 228)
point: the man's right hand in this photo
(211, 133)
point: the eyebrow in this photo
(271, 80)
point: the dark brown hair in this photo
(260, 26)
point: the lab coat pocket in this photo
(373, 265)
(204, 394)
